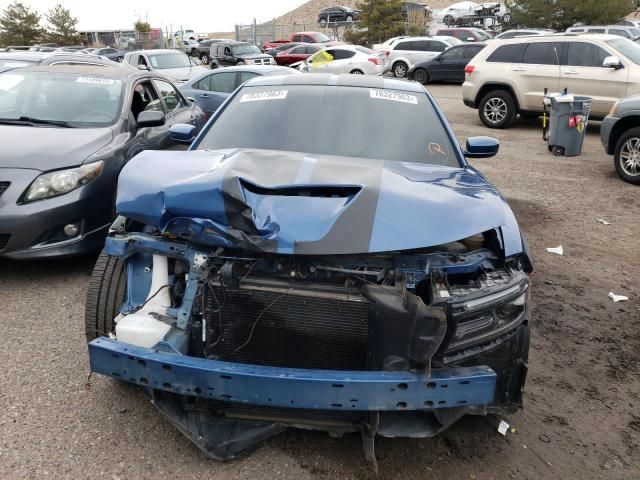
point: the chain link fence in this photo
(268, 32)
(124, 39)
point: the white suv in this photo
(405, 53)
(509, 77)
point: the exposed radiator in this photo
(324, 327)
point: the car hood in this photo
(49, 148)
(288, 202)
(181, 74)
(249, 56)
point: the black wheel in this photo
(497, 109)
(105, 296)
(550, 148)
(420, 75)
(204, 58)
(400, 69)
(557, 151)
(349, 18)
(119, 59)
(214, 65)
(356, 72)
(506, 18)
(194, 52)
(323, 22)
(448, 20)
(627, 156)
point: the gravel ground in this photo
(582, 411)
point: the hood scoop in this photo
(314, 191)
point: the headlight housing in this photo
(56, 183)
(612, 112)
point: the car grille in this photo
(4, 239)
(262, 61)
(4, 186)
(318, 327)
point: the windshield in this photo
(627, 48)
(272, 118)
(81, 100)
(169, 60)
(454, 41)
(8, 64)
(245, 49)
(322, 38)
(482, 34)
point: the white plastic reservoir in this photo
(140, 328)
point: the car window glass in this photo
(619, 32)
(172, 99)
(298, 51)
(471, 51)
(144, 98)
(310, 50)
(142, 61)
(227, 51)
(594, 30)
(507, 53)
(543, 53)
(244, 76)
(435, 46)
(453, 54)
(339, 54)
(582, 54)
(204, 84)
(308, 39)
(423, 45)
(223, 82)
(297, 38)
(404, 46)
(508, 35)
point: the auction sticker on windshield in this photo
(96, 80)
(267, 95)
(393, 95)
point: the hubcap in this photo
(357, 72)
(630, 157)
(495, 110)
(400, 70)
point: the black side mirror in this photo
(481, 147)
(150, 119)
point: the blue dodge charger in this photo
(354, 276)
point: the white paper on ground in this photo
(503, 427)
(617, 298)
(557, 250)
(603, 221)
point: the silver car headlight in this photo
(60, 182)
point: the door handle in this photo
(519, 69)
(204, 95)
(570, 72)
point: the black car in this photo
(66, 132)
(230, 53)
(338, 14)
(12, 60)
(447, 67)
(204, 49)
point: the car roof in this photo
(559, 36)
(115, 71)
(157, 51)
(326, 79)
(622, 27)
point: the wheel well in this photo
(621, 126)
(399, 61)
(491, 87)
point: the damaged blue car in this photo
(323, 257)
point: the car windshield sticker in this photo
(393, 95)
(96, 80)
(436, 148)
(267, 95)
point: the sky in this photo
(201, 16)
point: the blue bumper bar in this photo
(289, 387)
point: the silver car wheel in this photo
(400, 70)
(630, 157)
(495, 110)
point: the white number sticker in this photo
(393, 95)
(96, 80)
(268, 95)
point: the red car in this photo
(273, 44)
(313, 37)
(295, 54)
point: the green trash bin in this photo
(569, 115)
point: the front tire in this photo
(627, 156)
(356, 72)
(349, 19)
(119, 59)
(204, 58)
(400, 69)
(105, 296)
(323, 22)
(420, 75)
(497, 109)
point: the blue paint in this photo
(293, 388)
(482, 147)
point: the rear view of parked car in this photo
(66, 132)
(448, 66)
(352, 59)
(620, 135)
(212, 88)
(510, 77)
(405, 53)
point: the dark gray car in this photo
(620, 135)
(66, 132)
(110, 53)
(211, 89)
(232, 53)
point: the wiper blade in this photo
(40, 121)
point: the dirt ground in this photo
(582, 412)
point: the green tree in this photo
(379, 21)
(142, 26)
(62, 26)
(562, 14)
(19, 25)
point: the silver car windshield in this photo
(79, 100)
(626, 47)
(369, 121)
(169, 60)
